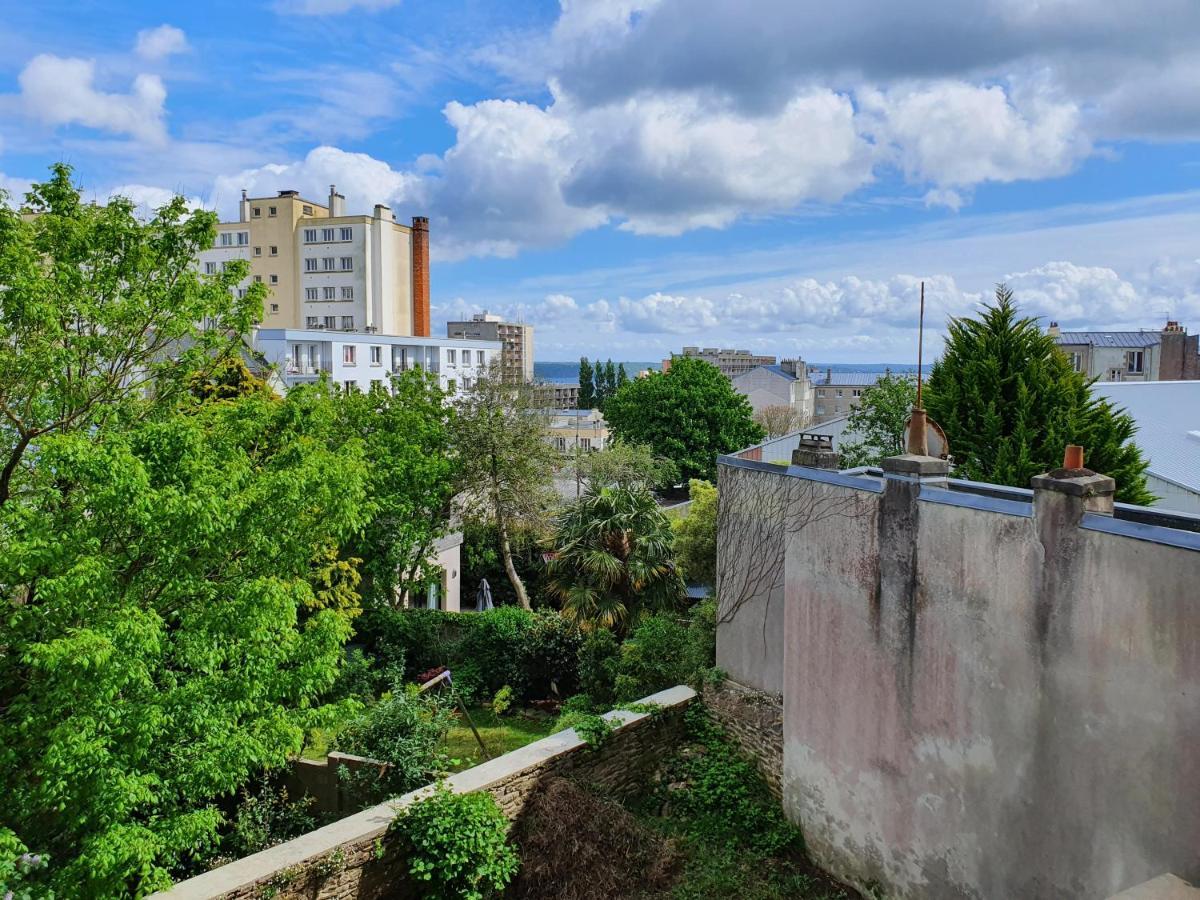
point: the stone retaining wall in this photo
(754, 720)
(353, 858)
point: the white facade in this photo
(356, 360)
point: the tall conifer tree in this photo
(587, 385)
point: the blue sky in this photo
(636, 175)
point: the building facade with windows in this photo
(785, 384)
(730, 362)
(1168, 355)
(569, 430)
(362, 361)
(516, 339)
(327, 270)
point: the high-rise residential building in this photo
(516, 340)
(327, 270)
(1167, 355)
(730, 362)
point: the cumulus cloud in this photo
(62, 91)
(330, 7)
(148, 199)
(161, 42)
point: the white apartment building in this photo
(362, 361)
(516, 357)
(328, 270)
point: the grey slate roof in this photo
(1120, 339)
(1168, 419)
(846, 379)
(778, 370)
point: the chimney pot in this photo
(1073, 457)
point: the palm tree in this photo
(613, 559)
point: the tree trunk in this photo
(506, 554)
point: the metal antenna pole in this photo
(920, 346)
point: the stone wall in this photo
(356, 858)
(754, 720)
(985, 697)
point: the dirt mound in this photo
(576, 846)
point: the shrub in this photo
(469, 683)
(550, 655)
(702, 636)
(266, 817)
(359, 678)
(19, 870)
(456, 845)
(502, 701)
(493, 642)
(655, 657)
(404, 730)
(598, 658)
(592, 728)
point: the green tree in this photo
(613, 559)
(622, 377)
(688, 415)
(696, 535)
(1009, 402)
(878, 421)
(587, 384)
(610, 380)
(99, 309)
(626, 465)
(506, 465)
(406, 435)
(229, 378)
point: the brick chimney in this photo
(420, 276)
(1179, 354)
(1054, 330)
(815, 451)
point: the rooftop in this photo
(1118, 339)
(1167, 414)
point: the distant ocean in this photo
(569, 371)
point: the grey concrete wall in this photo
(984, 702)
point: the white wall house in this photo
(357, 360)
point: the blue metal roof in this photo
(779, 370)
(1118, 339)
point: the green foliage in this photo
(480, 558)
(688, 415)
(502, 702)
(598, 659)
(456, 846)
(404, 730)
(22, 874)
(626, 466)
(878, 421)
(613, 559)
(1010, 402)
(229, 378)
(587, 384)
(724, 797)
(702, 637)
(264, 818)
(655, 657)
(695, 540)
(593, 729)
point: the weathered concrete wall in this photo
(981, 701)
(754, 720)
(354, 857)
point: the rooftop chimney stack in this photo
(244, 208)
(337, 203)
(1054, 330)
(420, 276)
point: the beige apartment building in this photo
(731, 362)
(1167, 355)
(327, 270)
(516, 342)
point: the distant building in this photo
(328, 270)
(1167, 414)
(361, 361)
(785, 384)
(569, 430)
(557, 394)
(836, 393)
(780, 449)
(516, 354)
(1167, 355)
(730, 362)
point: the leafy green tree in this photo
(99, 310)
(229, 378)
(625, 465)
(878, 421)
(688, 415)
(622, 377)
(610, 380)
(696, 535)
(411, 480)
(587, 384)
(613, 559)
(1009, 402)
(505, 463)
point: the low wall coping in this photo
(374, 822)
(947, 497)
(825, 476)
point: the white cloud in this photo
(62, 91)
(161, 42)
(148, 199)
(1078, 295)
(330, 7)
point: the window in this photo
(329, 293)
(258, 279)
(350, 386)
(347, 293)
(210, 268)
(330, 321)
(585, 443)
(1077, 362)
(327, 263)
(841, 393)
(376, 384)
(311, 294)
(479, 356)
(274, 279)
(348, 354)
(348, 322)
(310, 235)
(241, 292)
(274, 307)
(377, 356)
(310, 265)
(274, 251)
(450, 356)
(1134, 360)
(271, 211)
(856, 393)
(347, 263)
(327, 234)
(347, 234)
(258, 251)
(451, 385)
(310, 321)
(306, 209)
(256, 211)
(226, 239)
(243, 238)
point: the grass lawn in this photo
(500, 734)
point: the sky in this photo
(633, 176)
